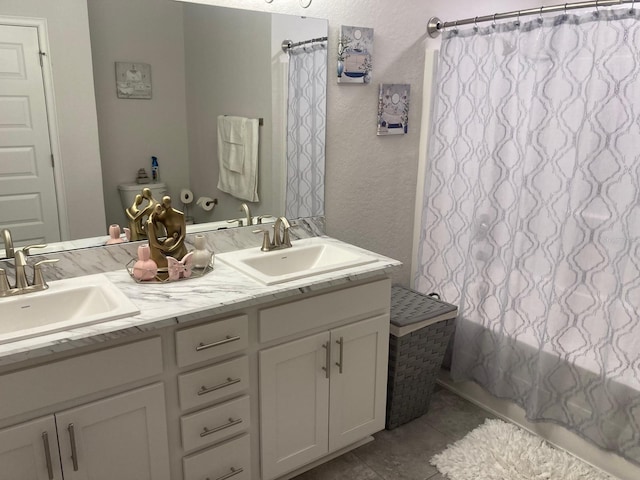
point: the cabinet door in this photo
(294, 404)
(122, 437)
(29, 451)
(358, 380)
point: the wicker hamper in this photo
(420, 330)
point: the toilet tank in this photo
(128, 192)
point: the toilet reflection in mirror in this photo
(138, 202)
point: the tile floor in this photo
(404, 453)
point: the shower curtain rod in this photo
(288, 44)
(435, 25)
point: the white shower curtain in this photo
(306, 120)
(531, 220)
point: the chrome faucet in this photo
(278, 242)
(247, 212)
(22, 284)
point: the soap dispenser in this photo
(202, 257)
(145, 268)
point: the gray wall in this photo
(131, 131)
(219, 84)
(70, 57)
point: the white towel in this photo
(231, 138)
(238, 157)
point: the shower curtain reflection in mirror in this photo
(531, 217)
(306, 119)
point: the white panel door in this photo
(294, 404)
(28, 205)
(358, 380)
(29, 451)
(122, 437)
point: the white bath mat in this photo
(498, 450)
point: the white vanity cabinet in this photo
(218, 390)
(29, 451)
(122, 436)
(326, 391)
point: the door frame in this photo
(49, 93)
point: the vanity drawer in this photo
(322, 310)
(212, 383)
(216, 423)
(230, 460)
(211, 340)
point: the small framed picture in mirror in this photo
(133, 80)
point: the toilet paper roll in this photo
(186, 196)
(207, 203)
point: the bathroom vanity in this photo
(218, 377)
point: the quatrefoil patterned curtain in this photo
(531, 220)
(306, 121)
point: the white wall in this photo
(70, 57)
(131, 131)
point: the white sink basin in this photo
(66, 304)
(305, 258)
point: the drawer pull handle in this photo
(208, 431)
(233, 472)
(340, 364)
(47, 454)
(228, 339)
(230, 381)
(74, 450)
(327, 367)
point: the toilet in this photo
(128, 192)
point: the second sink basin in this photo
(66, 304)
(305, 258)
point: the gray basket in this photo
(421, 327)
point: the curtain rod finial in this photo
(433, 27)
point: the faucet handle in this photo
(239, 220)
(38, 278)
(4, 283)
(266, 241)
(263, 216)
(29, 247)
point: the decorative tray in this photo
(184, 272)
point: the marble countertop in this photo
(220, 291)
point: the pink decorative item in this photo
(145, 268)
(114, 234)
(180, 268)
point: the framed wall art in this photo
(133, 80)
(355, 55)
(393, 109)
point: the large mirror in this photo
(204, 61)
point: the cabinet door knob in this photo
(230, 381)
(327, 367)
(234, 471)
(74, 450)
(340, 364)
(228, 339)
(208, 431)
(47, 454)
